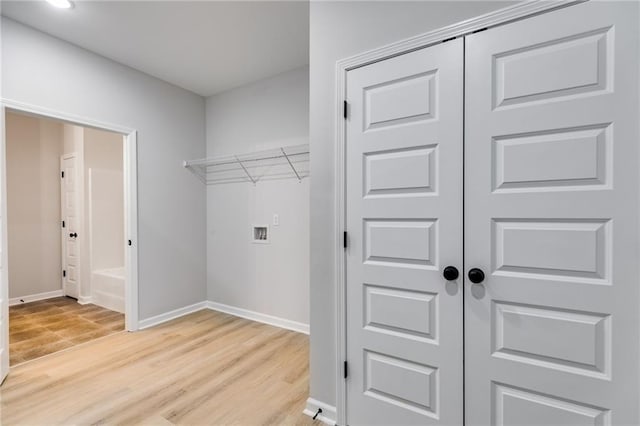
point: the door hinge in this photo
(344, 239)
(63, 223)
(62, 173)
(346, 369)
(345, 108)
(64, 273)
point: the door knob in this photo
(476, 275)
(450, 273)
(73, 235)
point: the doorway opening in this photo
(67, 234)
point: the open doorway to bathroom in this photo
(66, 234)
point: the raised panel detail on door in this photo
(407, 385)
(557, 160)
(517, 407)
(404, 222)
(412, 314)
(578, 342)
(552, 202)
(400, 101)
(566, 66)
(402, 171)
(409, 242)
(568, 249)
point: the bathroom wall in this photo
(33, 147)
(103, 162)
(102, 219)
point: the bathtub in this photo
(107, 288)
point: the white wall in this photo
(339, 30)
(270, 278)
(33, 149)
(40, 70)
(104, 202)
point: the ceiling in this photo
(203, 46)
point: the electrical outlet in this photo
(276, 220)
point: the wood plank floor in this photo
(206, 368)
(48, 326)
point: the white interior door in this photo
(551, 202)
(404, 220)
(71, 225)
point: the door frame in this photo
(499, 17)
(130, 170)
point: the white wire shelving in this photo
(277, 163)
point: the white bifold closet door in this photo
(551, 217)
(404, 218)
(551, 225)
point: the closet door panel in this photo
(404, 220)
(551, 217)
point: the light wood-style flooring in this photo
(47, 326)
(206, 368)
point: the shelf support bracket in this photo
(291, 164)
(253, 181)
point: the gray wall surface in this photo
(273, 278)
(43, 71)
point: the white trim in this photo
(171, 315)
(131, 195)
(85, 300)
(61, 116)
(35, 297)
(231, 310)
(4, 263)
(328, 415)
(259, 317)
(130, 181)
(492, 19)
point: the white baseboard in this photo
(328, 415)
(168, 316)
(257, 316)
(84, 300)
(35, 297)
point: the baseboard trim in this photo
(259, 317)
(232, 310)
(328, 415)
(84, 300)
(35, 297)
(168, 316)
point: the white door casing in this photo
(71, 211)
(551, 217)
(4, 265)
(404, 221)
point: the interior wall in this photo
(270, 278)
(103, 156)
(339, 30)
(33, 148)
(40, 70)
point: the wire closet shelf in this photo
(270, 164)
